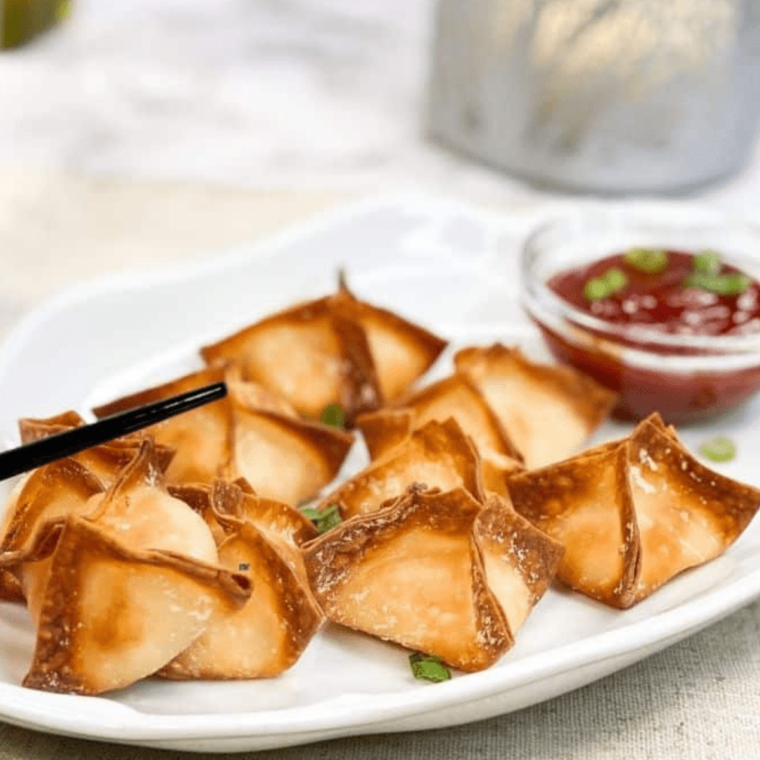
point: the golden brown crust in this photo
(250, 434)
(688, 514)
(547, 410)
(10, 587)
(93, 634)
(437, 455)
(361, 389)
(401, 351)
(96, 565)
(104, 461)
(283, 458)
(32, 428)
(510, 540)
(384, 429)
(335, 349)
(265, 637)
(634, 513)
(51, 491)
(584, 504)
(310, 354)
(453, 396)
(412, 573)
(259, 538)
(200, 436)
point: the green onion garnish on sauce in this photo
(708, 262)
(334, 416)
(732, 284)
(607, 284)
(325, 519)
(706, 275)
(647, 260)
(718, 450)
(428, 667)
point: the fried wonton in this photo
(438, 455)
(633, 514)
(259, 539)
(336, 349)
(199, 437)
(250, 434)
(104, 461)
(109, 614)
(53, 491)
(436, 572)
(454, 396)
(520, 560)
(97, 565)
(136, 509)
(547, 410)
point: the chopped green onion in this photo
(735, 284)
(616, 278)
(647, 260)
(612, 281)
(596, 289)
(325, 519)
(718, 450)
(732, 284)
(428, 667)
(334, 416)
(708, 262)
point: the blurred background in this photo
(137, 134)
(495, 101)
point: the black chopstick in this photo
(46, 450)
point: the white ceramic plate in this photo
(450, 267)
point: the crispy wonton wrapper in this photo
(547, 410)
(105, 461)
(436, 572)
(118, 582)
(53, 491)
(111, 615)
(454, 396)
(258, 538)
(333, 350)
(250, 434)
(633, 514)
(437, 455)
(136, 509)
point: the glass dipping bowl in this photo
(686, 377)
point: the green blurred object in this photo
(22, 20)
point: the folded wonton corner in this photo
(456, 397)
(437, 455)
(633, 514)
(547, 410)
(251, 434)
(336, 349)
(436, 572)
(118, 582)
(104, 461)
(259, 539)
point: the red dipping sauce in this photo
(669, 332)
(664, 301)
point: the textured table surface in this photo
(697, 700)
